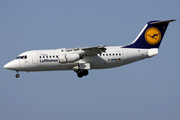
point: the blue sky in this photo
(148, 89)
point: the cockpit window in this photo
(22, 57)
(18, 57)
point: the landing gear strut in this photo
(81, 73)
(17, 75)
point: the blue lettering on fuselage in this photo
(49, 60)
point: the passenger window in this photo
(46, 56)
(39, 56)
(49, 56)
(119, 53)
(109, 54)
(106, 54)
(25, 56)
(43, 56)
(53, 56)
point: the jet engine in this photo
(68, 58)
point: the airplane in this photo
(80, 60)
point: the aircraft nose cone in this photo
(6, 66)
(13, 65)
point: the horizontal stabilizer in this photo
(162, 22)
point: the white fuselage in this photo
(48, 60)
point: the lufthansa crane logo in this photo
(152, 35)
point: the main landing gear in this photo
(81, 73)
(17, 75)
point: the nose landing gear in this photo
(17, 75)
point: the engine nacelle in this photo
(68, 58)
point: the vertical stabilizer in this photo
(151, 35)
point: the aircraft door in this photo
(125, 54)
(34, 57)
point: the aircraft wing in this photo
(91, 50)
(94, 50)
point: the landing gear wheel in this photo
(85, 72)
(17, 75)
(81, 73)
